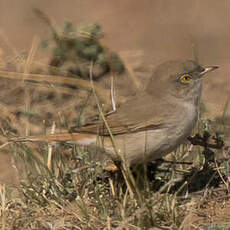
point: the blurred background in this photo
(163, 30)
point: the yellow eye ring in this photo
(185, 78)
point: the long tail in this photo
(79, 138)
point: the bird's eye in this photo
(185, 78)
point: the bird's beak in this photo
(208, 69)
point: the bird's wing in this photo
(137, 114)
(115, 127)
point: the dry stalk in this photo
(31, 55)
(50, 149)
(125, 168)
(43, 78)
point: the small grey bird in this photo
(150, 124)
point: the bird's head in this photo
(178, 79)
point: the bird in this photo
(148, 125)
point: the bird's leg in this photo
(206, 139)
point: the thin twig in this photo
(50, 149)
(55, 79)
(125, 168)
(112, 92)
(27, 88)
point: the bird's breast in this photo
(188, 118)
(163, 141)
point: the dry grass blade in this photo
(135, 58)
(54, 79)
(50, 149)
(3, 205)
(112, 92)
(8, 43)
(132, 75)
(27, 95)
(47, 21)
(125, 168)
(7, 112)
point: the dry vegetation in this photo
(71, 190)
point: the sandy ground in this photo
(163, 30)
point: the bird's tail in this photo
(78, 138)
